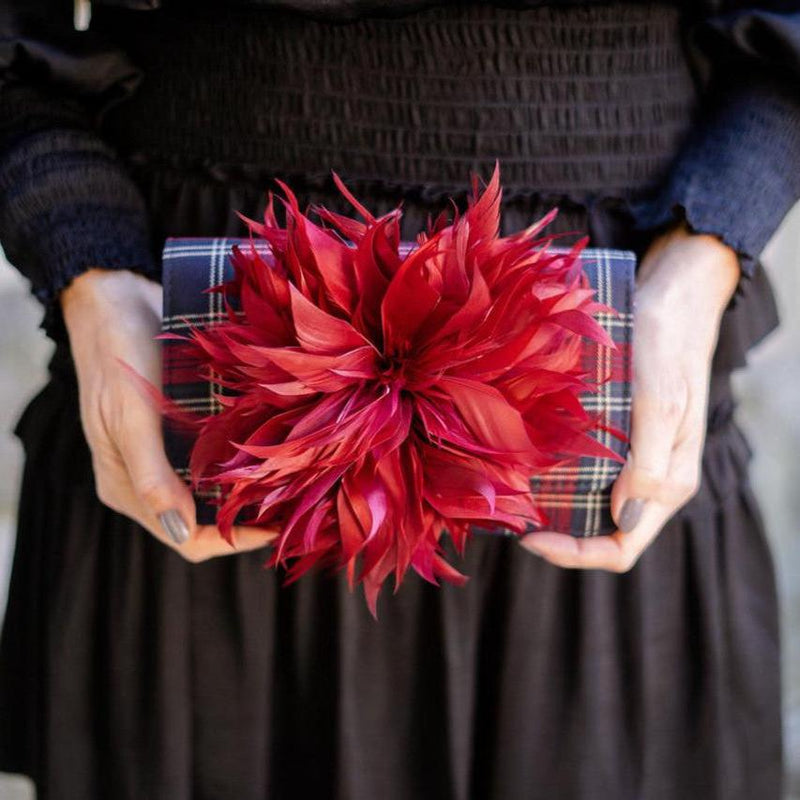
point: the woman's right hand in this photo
(114, 315)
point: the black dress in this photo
(129, 673)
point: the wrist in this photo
(110, 300)
(93, 283)
(694, 269)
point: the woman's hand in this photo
(111, 315)
(684, 284)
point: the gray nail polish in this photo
(174, 526)
(631, 514)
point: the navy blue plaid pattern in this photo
(575, 498)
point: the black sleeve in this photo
(66, 200)
(738, 172)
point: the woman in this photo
(642, 665)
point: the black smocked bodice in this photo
(579, 101)
(585, 107)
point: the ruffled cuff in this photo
(88, 235)
(738, 173)
(67, 204)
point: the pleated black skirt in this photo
(129, 674)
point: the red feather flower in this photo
(374, 400)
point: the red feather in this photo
(377, 401)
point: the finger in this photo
(152, 493)
(208, 542)
(116, 491)
(656, 417)
(617, 552)
(246, 538)
(683, 480)
(162, 494)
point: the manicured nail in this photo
(174, 526)
(631, 514)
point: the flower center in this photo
(391, 370)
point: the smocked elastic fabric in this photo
(574, 101)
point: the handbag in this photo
(574, 497)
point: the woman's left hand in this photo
(684, 284)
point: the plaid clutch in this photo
(575, 498)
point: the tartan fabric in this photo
(575, 498)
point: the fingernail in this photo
(631, 514)
(174, 526)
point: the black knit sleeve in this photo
(66, 201)
(738, 172)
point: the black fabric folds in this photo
(127, 672)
